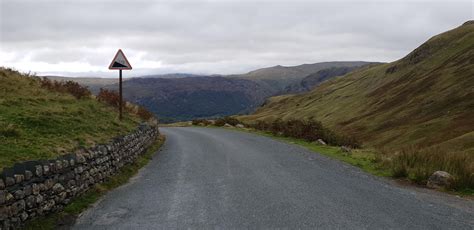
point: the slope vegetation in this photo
(423, 99)
(36, 123)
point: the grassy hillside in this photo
(36, 123)
(424, 99)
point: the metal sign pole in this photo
(120, 62)
(120, 92)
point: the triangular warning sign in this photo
(120, 61)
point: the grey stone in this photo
(4, 212)
(439, 179)
(3, 196)
(28, 190)
(39, 170)
(320, 141)
(28, 175)
(9, 181)
(35, 189)
(240, 126)
(30, 201)
(45, 169)
(9, 197)
(23, 216)
(58, 188)
(17, 207)
(19, 194)
(19, 178)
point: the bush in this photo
(419, 164)
(229, 120)
(109, 97)
(309, 130)
(112, 98)
(201, 122)
(71, 87)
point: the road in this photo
(215, 178)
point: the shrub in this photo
(71, 87)
(309, 130)
(109, 97)
(229, 120)
(201, 122)
(144, 114)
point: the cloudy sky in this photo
(79, 38)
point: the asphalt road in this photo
(214, 178)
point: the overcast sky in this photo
(79, 38)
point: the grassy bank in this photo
(39, 123)
(68, 216)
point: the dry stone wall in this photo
(35, 188)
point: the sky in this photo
(80, 38)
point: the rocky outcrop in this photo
(35, 188)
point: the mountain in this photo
(424, 99)
(195, 97)
(279, 77)
(313, 80)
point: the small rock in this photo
(240, 126)
(28, 175)
(19, 194)
(39, 170)
(19, 178)
(9, 181)
(320, 141)
(58, 188)
(228, 125)
(439, 179)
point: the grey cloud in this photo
(218, 36)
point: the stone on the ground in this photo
(227, 125)
(320, 141)
(439, 179)
(240, 126)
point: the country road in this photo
(216, 178)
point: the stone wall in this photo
(35, 188)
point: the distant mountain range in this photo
(176, 97)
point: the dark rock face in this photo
(24, 194)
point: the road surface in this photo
(215, 178)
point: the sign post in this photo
(120, 62)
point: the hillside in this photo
(425, 98)
(36, 123)
(314, 79)
(195, 97)
(93, 83)
(279, 77)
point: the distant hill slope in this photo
(279, 77)
(425, 98)
(313, 80)
(36, 123)
(93, 83)
(195, 97)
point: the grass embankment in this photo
(37, 123)
(68, 216)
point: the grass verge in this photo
(370, 161)
(68, 216)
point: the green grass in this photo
(39, 124)
(79, 204)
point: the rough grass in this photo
(71, 211)
(36, 123)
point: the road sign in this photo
(120, 61)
